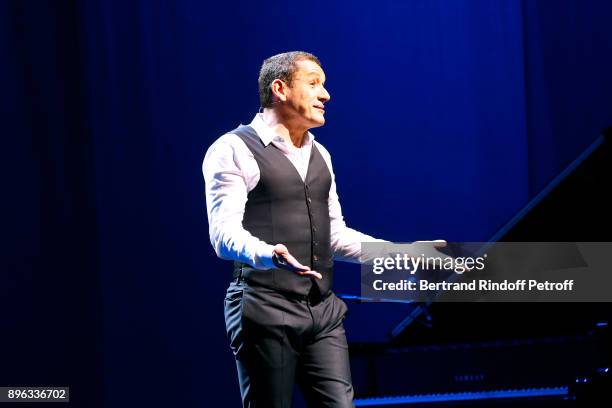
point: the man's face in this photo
(306, 95)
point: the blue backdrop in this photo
(446, 117)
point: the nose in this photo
(324, 96)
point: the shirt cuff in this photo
(264, 256)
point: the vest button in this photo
(316, 258)
(309, 200)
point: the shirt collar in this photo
(267, 135)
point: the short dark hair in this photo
(279, 66)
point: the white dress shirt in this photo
(231, 172)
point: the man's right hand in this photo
(282, 252)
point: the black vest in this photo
(283, 209)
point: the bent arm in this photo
(226, 196)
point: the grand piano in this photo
(499, 354)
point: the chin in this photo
(314, 121)
(318, 122)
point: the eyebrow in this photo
(315, 74)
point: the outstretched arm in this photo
(346, 242)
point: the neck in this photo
(282, 125)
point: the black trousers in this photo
(281, 339)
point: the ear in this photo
(279, 89)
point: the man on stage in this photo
(273, 209)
